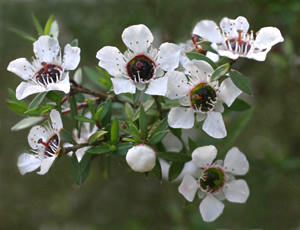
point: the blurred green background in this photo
(129, 200)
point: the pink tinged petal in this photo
(200, 116)
(236, 191)
(228, 92)
(168, 56)
(71, 57)
(204, 156)
(137, 38)
(36, 133)
(63, 85)
(112, 60)
(211, 208)
(46, 49)
(188, 187)
(198, 70)
(177, 85)
(25, 89)
(46, 164)
(208, 30)
(22, 68)
(214, 125)
(180, 117)
(56, 121)
(28, 163)
(158, 86)
(236, 162)
(123, 85)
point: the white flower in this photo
(141, 158)
(232, 39)
(141, 65)
(217, 181)
(48, 71)
(45, 145)
(198, 95)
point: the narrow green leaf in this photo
(238, 105)
(80, 169)
(160, 125)
(37, 100)
(75, 43)
(16, 107)
(206, 45)
(99, 150)
(96, 136)
(84, 119)
(26, 122)
(220, 72)
(39, 110)
(23, 34)
(48, 24)
(157, 170)
(147, 105)
(174, 156)
(92, 75)
(74, 111)
(136, 97)
(224, 60)
(176, 132)
(98, 113)
(192, 145)
(122, 149)
(105, 78)
(52, 95)
(134, 132)
(37, 25)
(143, 122)
(157, 137)
(128, 139)
(240, 81)
(91, 107)
(67, 137)
(75, 169)
(198, 56)
(175, 170)
(128, 111)
(107, 118)
(114, 132)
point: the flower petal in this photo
(123, 85)
(46, 164)
(54, 29)
(46, 49)
(22, 68)
(137, 38)
(71, 57)
(236, 162)
(219, 107)
(204, 156)
(228, 91)
(177, 85)
(28, 163)
(188, 187)
(214, 125)
(208, 30)
(211, 208)
(200, 116)
(36, 133)
(168, 56)
(56, 121)
(236, 191)
(230, 26)
(198, 71)
(180, 117)
(158, 86)
(112, 60)
(25, 89)
(63, 85)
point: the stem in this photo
(74, 148)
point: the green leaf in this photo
(67, 137)
(114, 132)
(240, 81)
(206, 45)
(128, 111)
(157, 137)
(48, 24)
(238, 105)
(160, 125)
(52, 95)
(94, 76)
(198, 56)
(26, 122)
(75, 43)
(147, 105)
(74, 112)
(224, 60)
(176, 132)
(37, 25)
(123, 149)
(220, 71)
(107, 118)
(134, 132)
(128, 139)
(105, 78)
(40, 110)
(174, 156)
(16, 107)
(192, 145)
(80, 169)
(175, 170)
(96, 136)
(98, 113)
(99, 150)
(91, 107)
(136, 96)
(84, 119)
(37, 100)
(157, 170)
(23, 34)
(143, 122)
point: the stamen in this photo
(40, 141)
(44, 64)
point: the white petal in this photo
(46, 164)
(228, 91)
(137, 38)
(225, 52)
(219, 107)
(22, 68)
(214, 125)
(208, 30)
(46, 49)
(236, 162)
(168, 56)
(141, 158)
(112, 60)
(80, 153)
(63, 85)
(28, 163)
(236, 191)
(140, 86)
(54, 29)
(188, 187)
(268, 36)
(200, 116)
(185, 101)
(211, 208)
(180, 117)
(198, 70)
(71, 57)
(212, 56)
(204, 156)
(123, 85)
(25, 89)
(230, 27)
(177, 85)
(36, 133)
(56, 120)
(157, 86)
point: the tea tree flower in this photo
(217, 181)
(141, 158)
(232, 39)
(45, 146)
(48, 70)
(141, 66)
(201, 97)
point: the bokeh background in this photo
(128, 200)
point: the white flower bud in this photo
(141, 158)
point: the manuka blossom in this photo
(141, 66)
(201, 97)
(48, 70)
(232, 39)
(216, 181)
(45, 146)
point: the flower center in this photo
(48, 74)
(141, 69)
(51, 146)
(203, 97)
(238, 45)
(212, 179)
